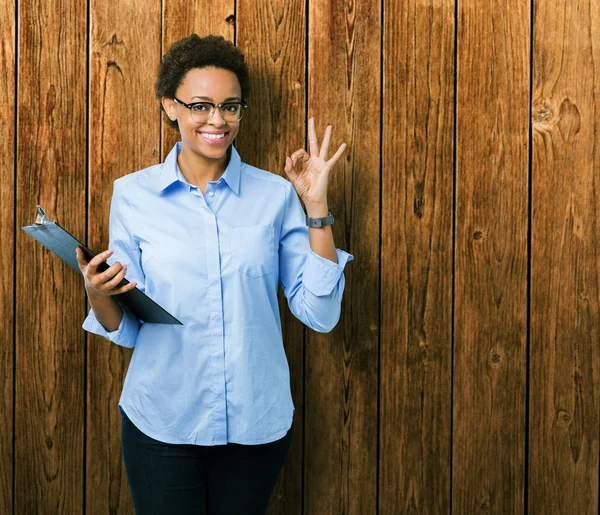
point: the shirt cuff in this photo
(321, 274)
(124, 335)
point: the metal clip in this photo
(42, 217)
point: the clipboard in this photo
(63, 244)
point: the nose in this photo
(217, 118)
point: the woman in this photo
(206, 407)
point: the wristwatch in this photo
(320, 222)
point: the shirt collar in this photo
(170, 172)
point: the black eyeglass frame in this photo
(213, 106)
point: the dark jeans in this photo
(184, 479)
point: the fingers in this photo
(108, 281)
(325, 144)
(288, 164)
(289, 168)
(114, 282)
(108, 274)
(337, 155)
(300, 154)
(125, 288)
(96, 260)
(81, 261)
(312, 137)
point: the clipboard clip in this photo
(42, 217)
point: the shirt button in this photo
(212, 193)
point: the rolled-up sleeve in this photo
(312, 284)
(126, 251)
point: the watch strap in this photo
(320, 222)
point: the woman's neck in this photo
(199, 170)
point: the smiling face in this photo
(215, 85)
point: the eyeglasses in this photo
(203, 111)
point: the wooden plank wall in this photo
(463, 375)
(490, 335)
(565, 259)
(50, 352)
(7, 226)
(416, 258)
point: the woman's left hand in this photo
(311, 180)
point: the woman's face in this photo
(215, 85)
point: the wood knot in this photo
(563, 418)
(569, 120)
(544, 113)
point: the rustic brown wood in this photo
(491, 259)
(563, 436)
(7, 231)
(445, 443)
(416, 282)
(124, 137)
(50, 351)
(342, 366)
(182, 18)
(272, 129)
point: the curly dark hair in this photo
(196, 52)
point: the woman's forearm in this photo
(106, 310)
(321, 238)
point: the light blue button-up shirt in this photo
(214, 261)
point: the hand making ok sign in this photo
(311, 180)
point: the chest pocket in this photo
(253, 249)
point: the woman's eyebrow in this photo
(208, 98)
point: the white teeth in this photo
(213, 136)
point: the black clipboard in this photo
(63, 244)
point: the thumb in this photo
(289, 168)
(81, 261)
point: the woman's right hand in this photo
(103, 283)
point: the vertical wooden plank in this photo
(416, 304)
(563, 468)
(124, 137)
(342, 366)
(7, 228)
(491, 258)
(272, 129)
(49, 342)
(182, 18)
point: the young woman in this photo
(206, 406)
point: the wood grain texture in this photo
(182, 18)
(563, 436)
(342, 366)
(416, 282)
(271, 129)
(447, 443)
(491, 258)
(124, 137)
(49, 403)
(7, 231)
